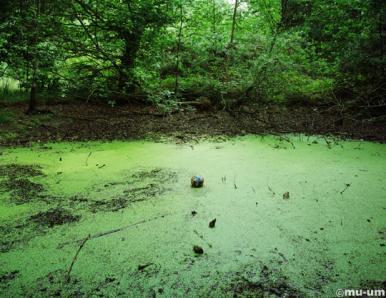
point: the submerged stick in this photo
(287, 140)
(270, 189)
(142, 267)
(327, 142)
(101, 234)
(347, 186)
(202, 237)
(88, 156)
(76, 257)
(284, 138)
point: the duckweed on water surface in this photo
(296, 216)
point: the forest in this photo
(192, 148)
(165, 52)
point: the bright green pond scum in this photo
(126, 218)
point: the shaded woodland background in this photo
(220, 53)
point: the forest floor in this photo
(74, 121)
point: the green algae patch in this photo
(296, 216)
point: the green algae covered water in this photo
(296, 216)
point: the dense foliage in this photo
(165, 51)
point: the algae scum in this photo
(295, 217)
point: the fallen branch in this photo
(270, 189)
(327, 142)
(347, 186)
(88, 156)
(101, 234)
(76, 257)
(254, 114)
(115, 116)
(142, 267)
(126, 227)
(203, 117)
(48, 126)
(284, 138)
(202, 237)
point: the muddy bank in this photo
(79, 121)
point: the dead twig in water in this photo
(88, 156)
(346, 186)
(76, 257)
(142, 267)
(288, 140)
(202, 237)
(101, 234)
(284, 138)
(327, 142)
(270, 189)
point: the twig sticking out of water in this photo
(346, 186)
(202, 237)
(284, 138)
(288, 140)
(76, 257)
(142, 267)
(327, 142)
(270, 189)
(234, 183)
(88, 156)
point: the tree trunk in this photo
(32, 99)
(178, 50)
(34, 86)
(132, 43)
(283, 13)
(234, 21)
(214, 29)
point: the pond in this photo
(295, 215)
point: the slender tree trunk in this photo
(234, 21)
(34, 86)
(283, 13)
(214, 25)
(282, 24)
(178, 50)
(32, 99)
(381, 27)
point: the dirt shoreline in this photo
(89, 122)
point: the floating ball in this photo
(197, 181)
